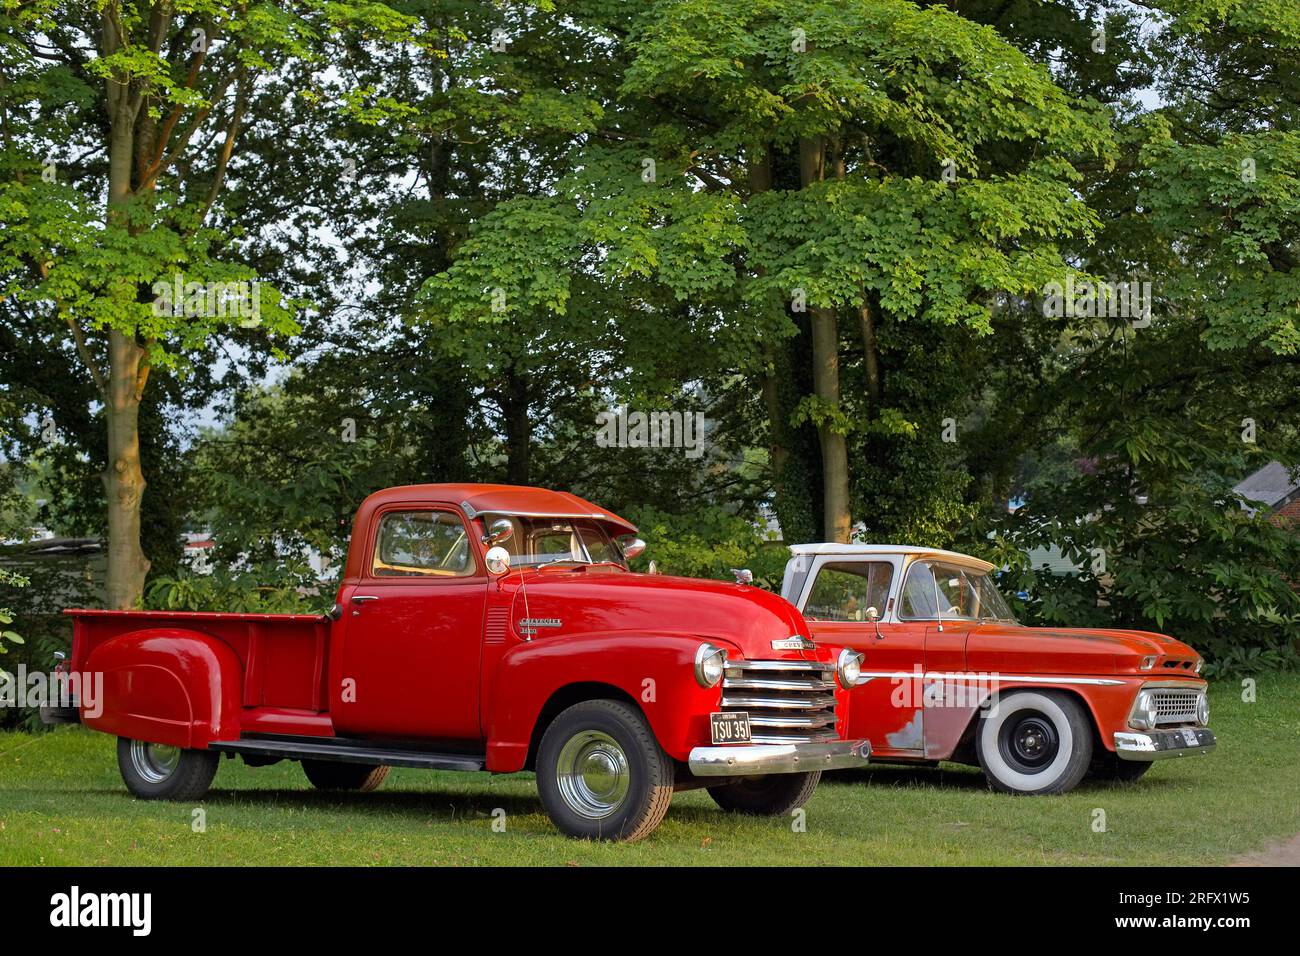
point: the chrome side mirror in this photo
(873, 614)
(633, 548)
(498, 561)
(499, 531)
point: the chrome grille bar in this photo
(787, 701)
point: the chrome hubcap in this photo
(592, 774)
(154, 762)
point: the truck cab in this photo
(488, 627)
(949, 674)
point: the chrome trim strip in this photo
(741, 760)
(989, 676)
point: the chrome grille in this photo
(1176, 706)
(787, 701)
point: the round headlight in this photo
(849, 667)
(1144, 711)
(709, 664)
(1203, 710)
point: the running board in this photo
(348, 751)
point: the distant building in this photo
(1274, 490)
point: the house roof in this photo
(1271, 485)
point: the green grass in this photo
(62, 802)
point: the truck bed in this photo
(284, 658)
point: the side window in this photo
(422, 544)
(844, 590)
(599, 548)
(918, 593)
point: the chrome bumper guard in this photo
(1161, 744)
(740, 760)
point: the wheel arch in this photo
(964, 751)
(565, 697)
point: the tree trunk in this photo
(124, 478)
(518, 428)
(870, 354)
(837, 524)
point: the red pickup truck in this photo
(487, 627)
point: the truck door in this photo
(409, 660)
(887, 708)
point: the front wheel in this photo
(1035, 742)
(159, 772)
(601, 774)
(773, 795)
(1110, 768)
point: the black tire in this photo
(1108, 768)
(1034, 742)
(153, 772)
(333, 775)
(772, 795)
(626, 780)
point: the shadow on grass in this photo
(416, 802)
(897, 775)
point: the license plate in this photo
(730, 728)
(1189, 737)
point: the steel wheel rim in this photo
(154, 762)
(1030, 744)
(592, 774)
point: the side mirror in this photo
(633, 548)
(498, 561)
(873, 614)
(499, 531)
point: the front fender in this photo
(167, 685)
(655, 671)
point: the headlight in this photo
(1143, 716)
(709, 664)
(849, 668)
(1203, 710)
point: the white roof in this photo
(832, 547)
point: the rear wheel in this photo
(332, 775)
(1035, 742)
(773, 795)
(601, 774)
(160, 772)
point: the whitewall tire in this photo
(1035, 742)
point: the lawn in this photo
(62, 802)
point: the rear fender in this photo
(167, 685)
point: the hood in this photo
(1078, 650)
(606, 600)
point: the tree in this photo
(120, 122)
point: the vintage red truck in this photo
(487, 627)
(950, 675)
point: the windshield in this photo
(935, 588)
(539, 541)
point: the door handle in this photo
(362, 598)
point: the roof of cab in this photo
(478, 500)
(832, 547)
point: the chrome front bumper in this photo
(742, 760)
(1160, 744)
